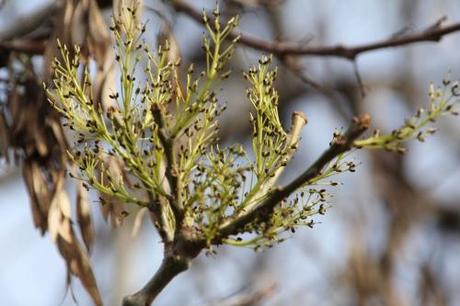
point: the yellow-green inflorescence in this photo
(442, 102)
(164, 133)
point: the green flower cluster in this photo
(163, 130)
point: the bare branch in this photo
(170, 268)
(24, 46)
(246, 297)
(433, 33)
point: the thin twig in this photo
(290, 63)
(246, 297)
(362, 89)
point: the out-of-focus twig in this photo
(24, 46)
(431, 289)
(433, 33)
(246, 297)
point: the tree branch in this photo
(170, 268)
(24, 46)
(340, 145)
(433, 33)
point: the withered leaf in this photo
(35, 132)
(59, 214)
(84, 217)
(78, 264)
(113, 208)
(3, 137)
(138, 221)
(79, 22)
(99, 43)
(40, 195)
(60, 227)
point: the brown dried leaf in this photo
(113, 209)
(18, 110)
(40, 195)
(79, 25)
(58, 133)
(78, 263)
(166, 35)
(100, 46)
(84, 217)
(4, 142)
(59, 213)
(104, 83)
(90, 31)
(64, 204)
(35, 130)
(99, 42)
(40, 142)
(60, 227)
(27, 130)
(54, 220)
(63, 28)
(138, 221)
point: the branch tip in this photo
(298, 121)
(297, 115)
